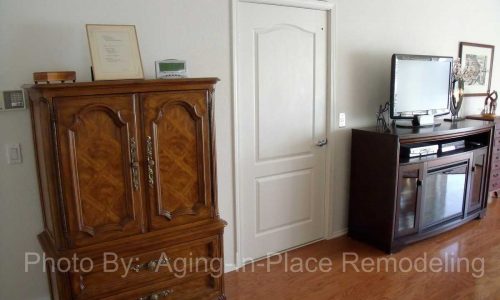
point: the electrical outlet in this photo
(342, 120)
(14, 155)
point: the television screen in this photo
(420, 85)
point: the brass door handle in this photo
(151, 265)
(150, 161)
(157, 296)
(134, 163)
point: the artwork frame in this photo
(477, 59)
(114, 52)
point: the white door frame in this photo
(330, 8)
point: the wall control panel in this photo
(12, 100)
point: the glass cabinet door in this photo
(445, 193)
(409, 186)
(478, 173)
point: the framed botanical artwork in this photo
(114, 51)
(477, 61)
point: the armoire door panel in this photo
(98, 149)
(177, 146)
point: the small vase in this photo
(457, 97)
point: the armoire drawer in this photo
(497, 133)
(496, 143)
(174, 262)
(198, 287)
(494, 185)
(495, 157)
(496, 146)
(495, 175)
(495, 163)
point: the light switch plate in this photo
(14, 155)
(342, 120)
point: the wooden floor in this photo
(475, 240)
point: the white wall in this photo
(41, 35)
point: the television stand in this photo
(397, 200)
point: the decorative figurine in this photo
(458, 77)
(381, 122)
(490, 103)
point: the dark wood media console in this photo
(396, 201)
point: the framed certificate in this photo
(114, 51)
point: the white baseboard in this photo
(230, 268)
(337, 234)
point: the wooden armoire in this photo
(127, 177)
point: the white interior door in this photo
(282, 73)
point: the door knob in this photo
(322, 142)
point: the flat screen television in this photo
(420, 85)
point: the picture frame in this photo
(477, 59)
(114, 51)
